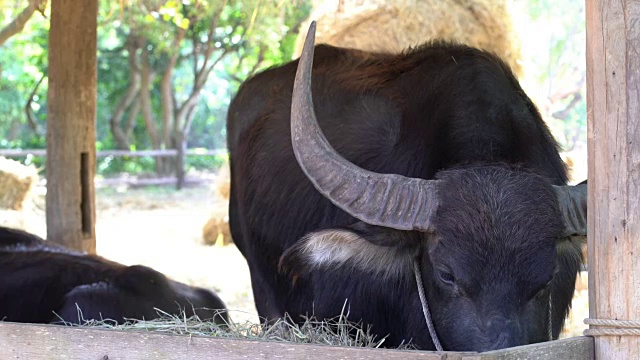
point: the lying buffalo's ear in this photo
(372, 249)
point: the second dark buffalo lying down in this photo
(437, 176)
(44, 283)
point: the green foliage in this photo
(206, 162)
(553, 47)
(23, 61)
(249, 33)
(252, 31)
(254, 35)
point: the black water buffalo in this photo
(44, 283)
(439, 168)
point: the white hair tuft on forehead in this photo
(341, 248)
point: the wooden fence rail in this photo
(128, 153)
(28, 341)
(179, 179)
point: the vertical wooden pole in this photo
(71, 124)
(613, 99)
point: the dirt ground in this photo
(162, 228)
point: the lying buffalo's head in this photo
(491, 241)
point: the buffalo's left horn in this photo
(572, 201)
(388, 200)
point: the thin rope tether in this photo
(613, 327)
(425, 307)
(550, 320)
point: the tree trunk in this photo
(129, 99)
(146, 80)
(166, 90)
(181, 144)
(14, 129)
(71, 130)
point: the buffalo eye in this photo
(446, 277)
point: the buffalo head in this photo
(493, 241)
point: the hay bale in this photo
(393, 26)
(216, 231)
(223, 182)
(576, 161)
(16, 183)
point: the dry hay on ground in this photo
(16, 183)
(393, 26)
(216, 231)
(223, 182)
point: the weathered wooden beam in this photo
(613, 112)
(135, 182)
(71, 124)
(22, 152)
(31, 341)
(26, 341)
(578, 348)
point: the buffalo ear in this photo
(373, 251)
(572, 201)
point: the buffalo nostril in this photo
(502, 332)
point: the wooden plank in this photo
(578, 348)
(27, 341)
(136, 182)
(613, 113)
(140, 153)
(21, 152)
(71, 124)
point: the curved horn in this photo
(572, 201)
(388, 200)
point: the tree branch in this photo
(259, 61)
(27, 107)
(20, 21)
(201, 74)
(564, 113)
(210, 44)
(131, 119)
(571, 92)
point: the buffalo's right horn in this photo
(572, 201)
(388, 200)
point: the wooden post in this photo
(79, 342)
(71, 124)
(613, 99)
